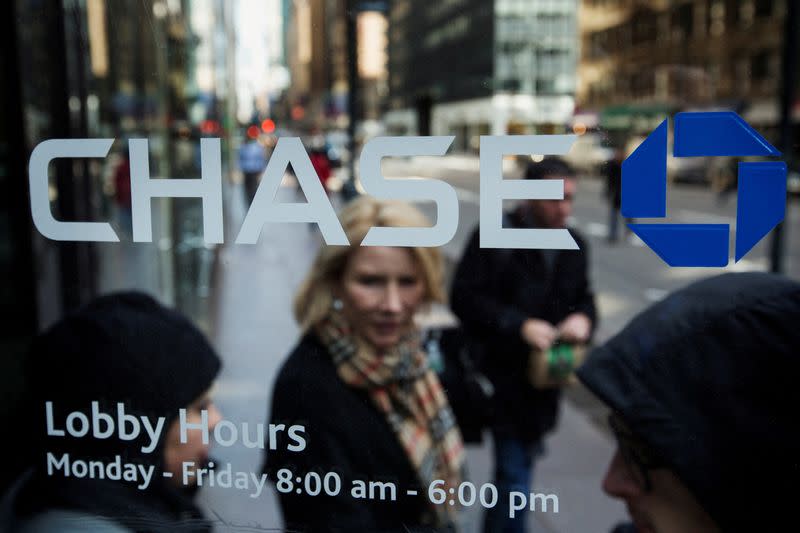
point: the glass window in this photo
(410, 265)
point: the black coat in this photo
(345, 434)
(493, 293)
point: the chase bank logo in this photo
(761, 200)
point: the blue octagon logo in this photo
(761, 202)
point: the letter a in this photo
(318, 209)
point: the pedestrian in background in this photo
(703, 394)
(127, 349)
(318, 155)
(516, 301)
(361, 383)
(613, 173)
(252, 163)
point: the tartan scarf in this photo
(407, 391)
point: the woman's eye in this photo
(370, 280)
(408, 281)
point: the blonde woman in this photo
(360, 385)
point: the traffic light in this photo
(268, 125)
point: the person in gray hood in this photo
(703, 391)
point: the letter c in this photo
(43, 219)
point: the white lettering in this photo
(39, 184)
(153, 433)
(146, 475)
(123, 419)
(289, 150)
(51, 430)
(188, 471)
(208, 187)
(420, 189)
(296, 434)
(494, 189)
(233, 433)
(84, 424)
(97, 419)
(62, 464)
(318, 208)
(186, 426)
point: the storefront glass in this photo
(201, 129)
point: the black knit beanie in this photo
(124, 347)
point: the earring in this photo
(337, 304)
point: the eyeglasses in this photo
(638, 457)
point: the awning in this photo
(645, 117)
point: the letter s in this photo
(296, 434)
(419, 189)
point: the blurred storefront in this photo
(165, 81)
(116, 70)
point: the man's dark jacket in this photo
(494, 291)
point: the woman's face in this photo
(193, 450)
(381, 289)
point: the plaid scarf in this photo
(407, 391)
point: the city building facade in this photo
(470, 68)
(644, 59)
(318, 56)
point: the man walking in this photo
(613, 173)
(515, 301)
(252, 163)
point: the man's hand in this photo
(576, 328)
(538, 333)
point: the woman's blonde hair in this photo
(315, 297)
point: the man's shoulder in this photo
(583, 244)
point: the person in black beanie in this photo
(703, 393)
(123, 355)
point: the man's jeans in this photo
(513, 463)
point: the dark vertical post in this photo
(75, 281)
(788, 75)
(15, 186)
(17, 260)
(87, 262)
(349, 188)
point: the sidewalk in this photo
(254, 331)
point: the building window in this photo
(762, 66)
(682, 22)
(545, 86)
(644, 27)
(733, 13)
(716, 18)
(510, 84)
(764, 8)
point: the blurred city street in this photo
(253, 329)
(124, 111)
